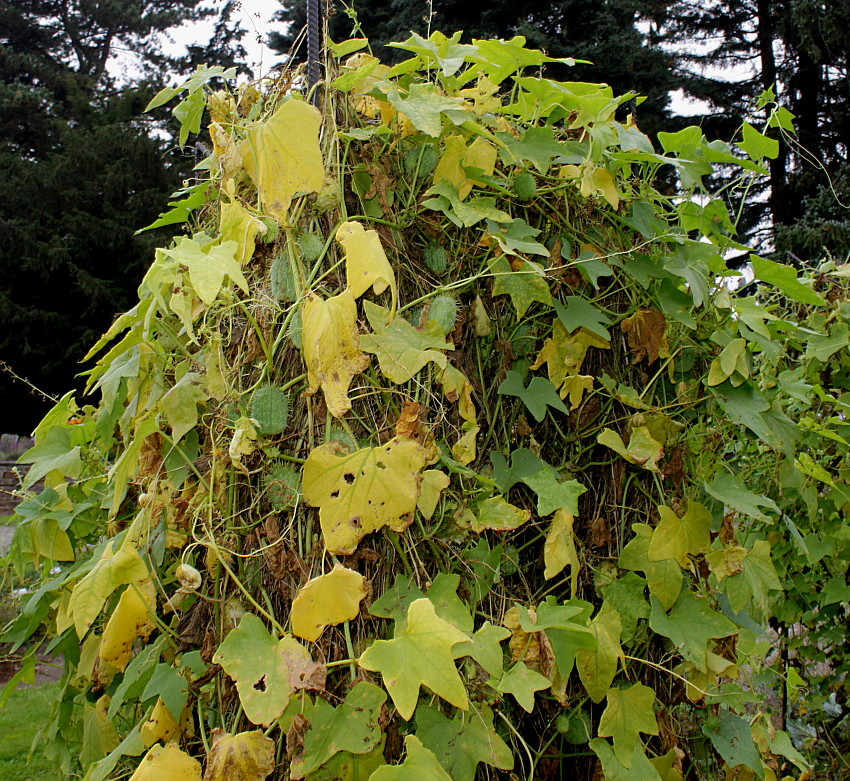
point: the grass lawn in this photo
(25, 713)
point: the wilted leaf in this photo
(246, 756)
(366, 263)
(332, 348)
(353, 726)
(266, 671)
(559, 548)
(161, 725)
(598, 181)
(243, 442)
(113, 569)
(646, 332)
(282, 155)
(236, 224)
(457, 157)
(628, 713)
(564, 355)
(402, 350)
(420, 654)
(131, 619)
(326, 601)
(493, 513)
(167, 763)
(642, 449)
(361, 492)
(434, 482)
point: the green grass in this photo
(25, 714)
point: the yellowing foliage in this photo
(327, 600)
(167, 764)
(131, 619)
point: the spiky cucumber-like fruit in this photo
(270, 409)
(327, 199)
(435, 258)
(311, 246)
(295, 327)
(282, 278)
(339, 434)
(525, 186)
(420, 161)
(443, 309)
(282, 484)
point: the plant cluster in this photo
(440, 447)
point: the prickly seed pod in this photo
(525, 186)
(435, 258)
(282, 279)
(270, 410)
(420, 161)
(339, 434)
(282, 487)
(328, 197)
(311, 246)
(443, 310)
(295, 326)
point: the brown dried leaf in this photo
(646, 331)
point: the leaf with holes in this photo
(361, 492)
(266, 671)
(420, 654)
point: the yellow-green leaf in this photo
(420, 764)
(246, 756)
(326, 601)
(236, 224)
(283, 157)
(521, 682)
(366, 263)
(266, 671)
(598, 181)
(494, 513)
(434, 482)
(525, 285)
(332, 348)
(642, 449)
(628, 713)
(456, 157)
(361, 492)
(402, 350)
(420, 654)
(112, 570)
(597, 667)
(676, 538)
(208, 266)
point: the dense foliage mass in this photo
(440, 447)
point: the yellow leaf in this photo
(160, 725)
(226, 152)
(434, 482)
(564, 354)
(246, 756)
(598, 181)
(114, 569)
(361, 492)
(494, 513)
(282, 155)
(167, 764)
(366, 263)
(331, 348)
(457, 388)
(559, 549)
(597, 667)
(131, 619)
(464, 450)
(242, 443)
(575, 386)
(457, 156)
(238, 225)
(327, 600)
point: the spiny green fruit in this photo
(525, 186)
(272, 230)
(328, 197)
(282, 487)
(435, 258)
(420, 161)
(311, 246)
(270, 409)
(282, 278)
(443, 309)
(339, 434)
(295, 326)
(579, 730)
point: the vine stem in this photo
(669, 672)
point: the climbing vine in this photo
(440, 446)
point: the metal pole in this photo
(314, 27)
